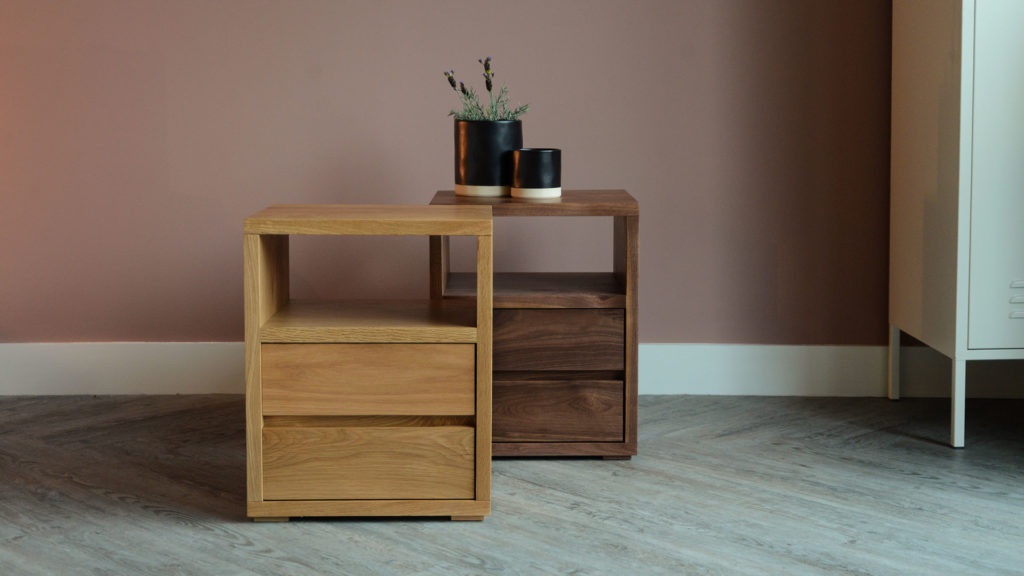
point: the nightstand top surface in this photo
(572, 203)
(354, 219)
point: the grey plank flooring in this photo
(723, 485)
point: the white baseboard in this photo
(761, 370)
(122, 368)
(758, 370)
(721, 369)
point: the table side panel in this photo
(626, 264)
(265, 271)
(484, 364)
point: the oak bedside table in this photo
(366, 408)
(565, 344)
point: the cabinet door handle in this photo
(1017, 284)
(1017, 315)
(1018, 299)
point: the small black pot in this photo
(483, 156)
(537, 173)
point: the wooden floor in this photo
(723, 485)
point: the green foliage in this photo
(499, 107)
(471, 108)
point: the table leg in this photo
(894, 362)
(959, 399)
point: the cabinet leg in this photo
(894, 362)
(467, 518)
(958, 401)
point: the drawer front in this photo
(351, 463)
(572, 339)
(558, 411)
(368, 379)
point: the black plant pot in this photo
(483, 156)
(537, 173)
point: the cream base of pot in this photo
(535, 193)
(481, 191)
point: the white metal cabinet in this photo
(996, 306)
(957, 204)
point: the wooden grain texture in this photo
(484, 364)
(366, 421)
(154, 485)
(274, 284)
(626, 262)
(368, 509)
(615, 290)
(440, 266)
(352, 219)
(544, 289)
(559, 339)
(558, 411)
(410, 321)
(548, 375)
(572, 203)
(369, 379)
(576, 448)
(265, 272)
(253, 375)
(347, 463)
(325, 361)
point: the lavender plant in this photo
(499, 107)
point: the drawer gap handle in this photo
(1017, 284)
(1017, 315)
(1018, 299)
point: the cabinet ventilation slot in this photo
(1017, 284)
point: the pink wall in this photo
(136, 135)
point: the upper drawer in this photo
(369, 379)
(571, 339)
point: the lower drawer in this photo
(356, 463)
(558, 411)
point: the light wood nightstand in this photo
(366, 408)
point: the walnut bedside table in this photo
(366, 408)
(565, 344)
